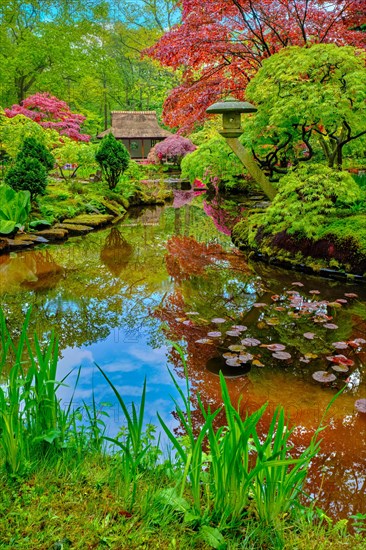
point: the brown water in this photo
(118, 297)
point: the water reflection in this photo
(118, 296)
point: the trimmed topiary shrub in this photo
(35, 149)
(27, 175)
(113, 158)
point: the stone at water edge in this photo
(360, 405)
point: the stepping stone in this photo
(53, 235)
(74, 229)
(93, 220)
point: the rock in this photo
(112, 207)
(19, 244)
(93, 220)
(53, 235)
(74, 229)
(4, 245)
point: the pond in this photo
(119, 297)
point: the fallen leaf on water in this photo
(275, 297)
(273, 321)
(257, 363)
(261, 325)
(311, 355)
(341, 360)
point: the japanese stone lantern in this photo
(231, 110)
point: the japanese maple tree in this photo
(50, 112)
(221, 44)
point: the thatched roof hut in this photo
(138, 130)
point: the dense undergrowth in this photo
(318, 218)
(66, 484)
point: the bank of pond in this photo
(122, 298)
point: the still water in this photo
(119, 297)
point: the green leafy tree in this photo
(80, 155)
(35, 149)
(113, 158)
(28, 174)
(307, 98)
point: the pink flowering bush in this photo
(50, 112)
(173, 149)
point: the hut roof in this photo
(135, 124)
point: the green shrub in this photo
(113, 158)
(35, 149)
(308, 198)
(27, 175)
(212, 159)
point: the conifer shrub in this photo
(28, 174)
(33, 148)
(113, 158)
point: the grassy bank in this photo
(67, 484)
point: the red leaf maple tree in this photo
(220, 44)
(50, 112)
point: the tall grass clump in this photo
(32, 421)
(230, 470)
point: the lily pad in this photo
(342, 301)
(204, 341)
(275, 347)
(351, 295)
(341, 360)
(233, 333)
(218, 320)
(240, 328)
(233, 362)
(214, 334)
(359, 341)
(250, 342)
(259, 304)
(297, 283)
(340, 368)
(324, 376)
(281, 355)
(330, 326)
(360, 405)
(314, 292)
(309, 335)
(229, 355)
(340, 345)
(236, 347)
(244, 358)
